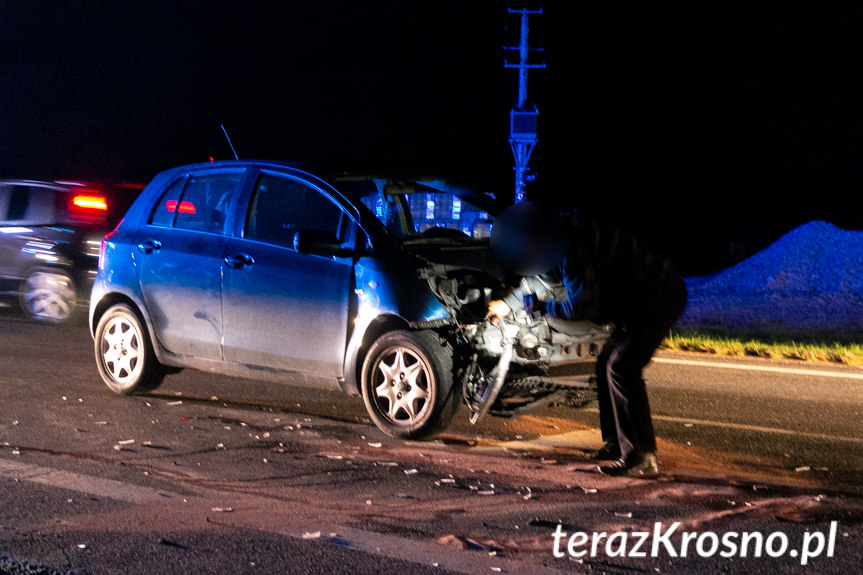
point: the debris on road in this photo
(174, 403)
(311, 535)
(410, 471)
(222, 509)
(126, 442)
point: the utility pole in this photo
(522, 118)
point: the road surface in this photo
(211, 474)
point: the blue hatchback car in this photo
(375, 285)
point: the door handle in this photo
(148, 246)
(238, 261)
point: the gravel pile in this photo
(9, 566)
(811, 279)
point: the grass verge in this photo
(829, 348)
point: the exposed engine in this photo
(512, 364)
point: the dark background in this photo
(710, 129)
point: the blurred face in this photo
(529, 238)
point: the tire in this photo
(48, 296)
(124, 353)
(407, 384)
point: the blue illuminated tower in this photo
(522, 118)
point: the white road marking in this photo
(754, 428)
(82, 483)
(767, 368)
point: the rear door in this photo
(283, 309)
(180, 252)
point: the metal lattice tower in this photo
(522, 118)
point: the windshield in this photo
(428, 214)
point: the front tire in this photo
(407, 384)
(124, 353)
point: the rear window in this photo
(30, 205)
(199, 202)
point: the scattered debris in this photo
(376, 444)
(175, 403)
(589, 490)
(802, 468)
(82, 545)
(311, 535)
(410, 471)
(486, 492)
(627, 514)
(126, 442)
(222, 509)
(447, 480)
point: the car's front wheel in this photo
(124, 353)
(407, 384)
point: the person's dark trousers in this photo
(624, 410)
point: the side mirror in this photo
(319, 243)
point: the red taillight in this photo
(90, 203)
(88, 206)
(185, 207)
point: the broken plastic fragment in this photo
(376, 444)
(175, 403)
(222, 509)
(802, 468)
(410, 471)
(486, 492)
(311, 535)
(126, 442)
(447, 480)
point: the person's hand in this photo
(497, 309)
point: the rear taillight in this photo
(88, 206)
(104, 244)
(90, 203)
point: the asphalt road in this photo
(211, 474)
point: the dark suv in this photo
(50, 234)
(375, 285)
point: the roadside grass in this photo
(830, 348)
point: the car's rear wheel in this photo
(124, 353)
(48, 296)
(407, 384)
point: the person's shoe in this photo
(609, 451)
(634, 465)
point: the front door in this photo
(283, 309)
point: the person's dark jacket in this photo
(608, 278)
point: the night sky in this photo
(695, 125)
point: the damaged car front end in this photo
(501, 367)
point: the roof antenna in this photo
(227, 137)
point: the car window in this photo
(27, 205)
(282, 206)
(164, 210)
(408, 215)
(204, 203)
